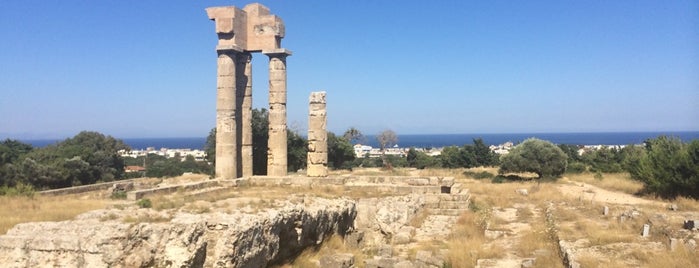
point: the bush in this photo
(479, 175)
(118, 195)
(144, 203)
(19, 189)
(668, 167)
(576, 167)
(536, 156)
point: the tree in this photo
(297, 151)
(419, 159)
(210, 146)
(668, 167)
(340, 152)
(537, 156)
(11, 150)
(387, 138)
(483, 155)
(260, 137)
(353, 135)
(296, 145)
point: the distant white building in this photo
(198, 155)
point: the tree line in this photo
(665, 165)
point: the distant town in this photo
(360, 151)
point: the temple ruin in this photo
(242, 32)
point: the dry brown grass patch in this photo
(620, 182)
(332, 245)
(20, 209)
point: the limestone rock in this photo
(186, 240)
(337, 260)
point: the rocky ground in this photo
(416, 220)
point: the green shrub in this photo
(144, 203)
(576, 167)
(19, 189)
(668, 167)
(536, 156)
(479, 175)
(118, 195)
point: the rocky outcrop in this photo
(105, 238)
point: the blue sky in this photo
(148, 68)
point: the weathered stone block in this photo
(337, 260)
(401, 238)
(317, 171)
(317, 158)
(317, 146)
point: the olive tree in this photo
(536, 156)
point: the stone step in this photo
(454, 197)
(447, 212)
(453, 205)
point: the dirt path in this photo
(593, 193)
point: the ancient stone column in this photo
(277, 151)
(244, 114)
(226, 147)
(317, 160)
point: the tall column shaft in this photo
(244, 99)
(317, 160)
(277, 150)
(226, 146)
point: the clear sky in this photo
(148, 68)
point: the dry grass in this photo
(680, 257)
(539, 239)
(467, 242)
(687, 204)
(333, 245)
(620, 182)
(20, 209)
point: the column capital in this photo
(279, 52)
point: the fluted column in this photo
(244, 106)
(317, 158)
(277, 150)
(226, 147)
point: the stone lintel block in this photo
(279, 52)
(317, 158)
(221, 49)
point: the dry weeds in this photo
(620, 182)
(19, 209)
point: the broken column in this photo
(277, 151)
(317, 160)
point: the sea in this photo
(437, 140)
